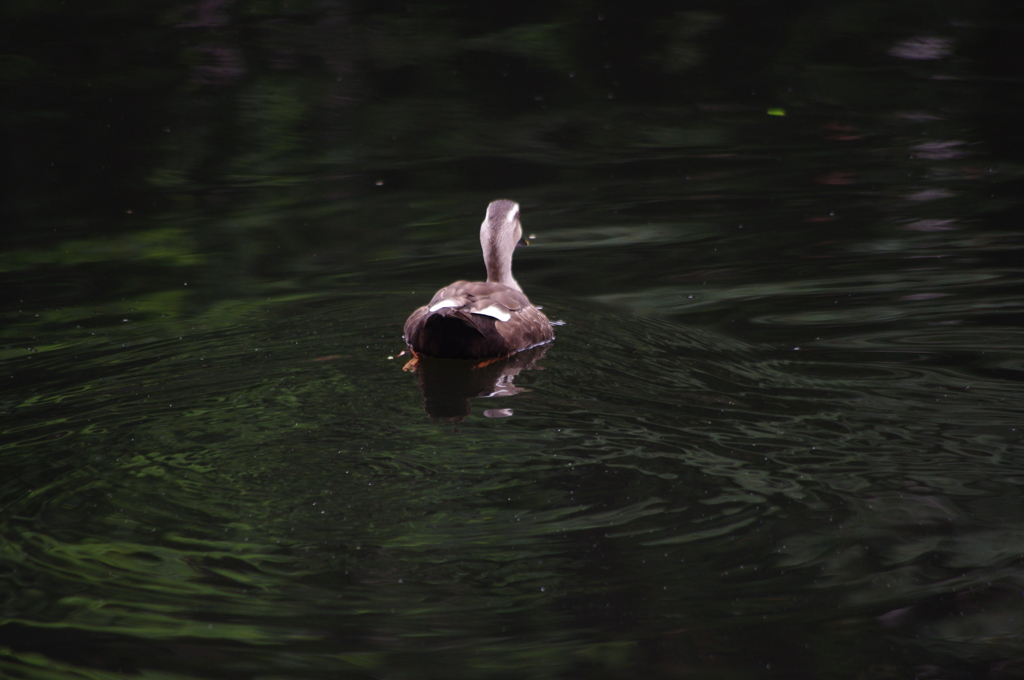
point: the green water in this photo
(778, 435)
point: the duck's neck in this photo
(499, 268)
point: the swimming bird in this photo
(482, 319)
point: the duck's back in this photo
(476, 320)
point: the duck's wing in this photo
(479, 298)
(448, 302)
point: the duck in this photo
(483, 320)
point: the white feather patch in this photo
(499, 312)
(447, 302)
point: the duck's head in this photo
(500, 233)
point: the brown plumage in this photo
(482, 319)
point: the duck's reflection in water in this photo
(449, 384)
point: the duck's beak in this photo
(522, 241)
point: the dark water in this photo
(779, 434)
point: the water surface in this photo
(778, 434)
